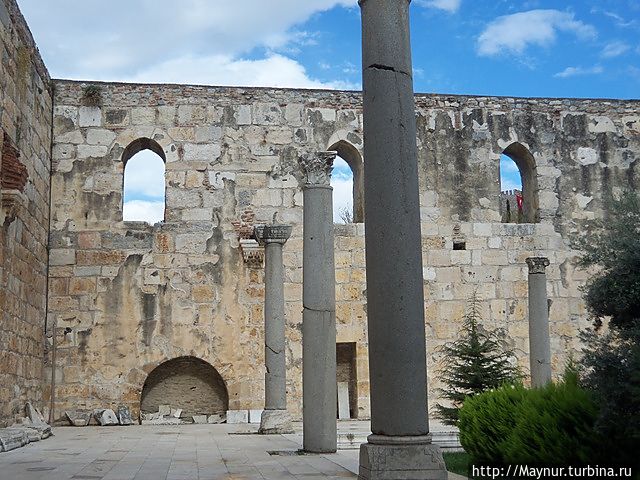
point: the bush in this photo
(548, 426)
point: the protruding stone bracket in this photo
(537, 264)
(317, 167)
(252, 251)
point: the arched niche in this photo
(526, 164)
(351, 155)
(143, 181)
(187, 383)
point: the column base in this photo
(401, 460)
(275, 422)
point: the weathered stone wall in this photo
(127, 296)
(25, 139)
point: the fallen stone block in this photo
(124, 415)
(78, 418)
(199, 419)
(34, 414)
(107, 417)
(255, 416)
(32, 434)
(176, 413)
(164, 410)
(237, 416)
(275, 421)
(12, 439)
(217, 418)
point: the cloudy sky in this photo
(545, 48)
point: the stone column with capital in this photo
(539, 342)
(319, 302)
(275, 418)
(400, 444)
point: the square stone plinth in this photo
(401, 462)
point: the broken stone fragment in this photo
(199, 419)
(78, 418)
(34, 414)
(124, 415)
(107, 417)
(164, 410)
(217, 418)
(177, 413)
(10, 439)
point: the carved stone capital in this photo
(272, 233)
(317, 167)
(537, 264)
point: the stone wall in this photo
(25, 139)
(127, 296)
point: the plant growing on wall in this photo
(91, 95)
(476, 362)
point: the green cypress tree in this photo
(476, 362)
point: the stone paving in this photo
(186, 452)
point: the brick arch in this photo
(189, 383)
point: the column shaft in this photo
(395, 302)
(274, 352)
(539, 341)
(319, 322)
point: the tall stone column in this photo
(319, 301)
(275, 418)
(400, 444)
(539, 342)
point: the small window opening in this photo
(459, 245)
(144, 182)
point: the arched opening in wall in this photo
(518, 185)
(185, 383)
(348, 184)
(144, 182)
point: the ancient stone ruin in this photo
(98, 313)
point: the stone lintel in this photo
(317, 167)
(272, 233)
(537, 264)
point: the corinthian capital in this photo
(537, 264)
(317, 167)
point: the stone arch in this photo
(526, 164)
(350, 154)
(159, 201)
(188, 383)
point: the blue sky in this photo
(538, 48)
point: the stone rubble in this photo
(30, 429)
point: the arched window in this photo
(144, 185)
(348, 184)
(518, 185)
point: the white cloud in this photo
(142, 210)
(614, 49)
(450, 6)
(578, 71)
(514, 33)
(273, 71)
(90, 40)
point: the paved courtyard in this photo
(186, 452)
